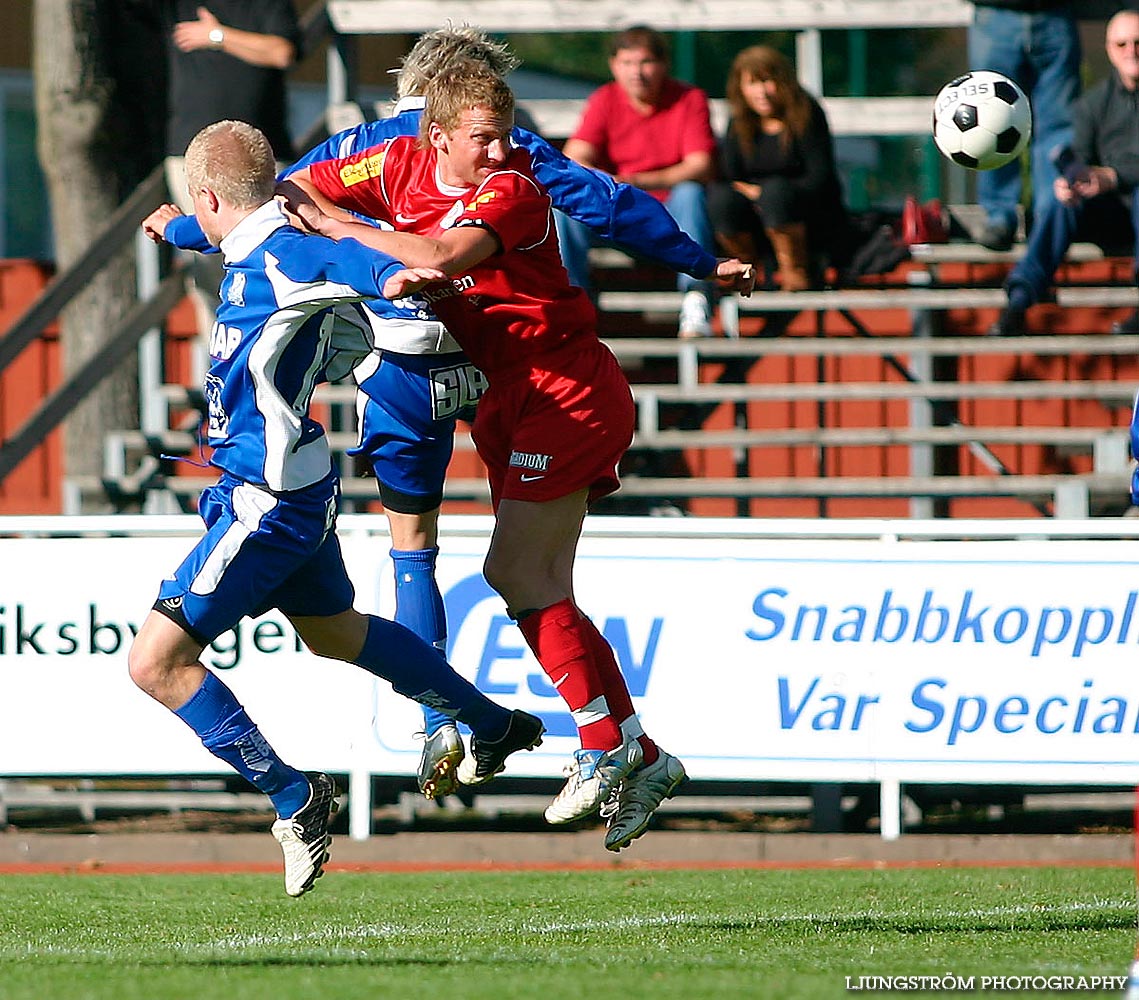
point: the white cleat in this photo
(628, 812)
(304, 837)
(486, 759)
(591, 778)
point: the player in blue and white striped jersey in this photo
(270, 537)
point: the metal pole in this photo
(152, 409)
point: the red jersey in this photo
(628, 142)
(510, 309)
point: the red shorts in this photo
(552, 432)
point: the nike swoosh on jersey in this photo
(402, 219)
(530, 479)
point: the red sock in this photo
(557, 637)
(616, 690)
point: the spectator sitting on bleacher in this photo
(1095, 196)
(653, 132)
(780, 189)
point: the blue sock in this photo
(419, 606)
(416, 670)
(230, 735)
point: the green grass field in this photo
(554, 935)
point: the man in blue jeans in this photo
(653, 132)
(1037, 44)
(1095, 197)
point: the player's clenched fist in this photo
(154, 225)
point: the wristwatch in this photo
(217, 37)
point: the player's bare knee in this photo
(145, 669)
(522, 583)
(137, 666)
(501, 574)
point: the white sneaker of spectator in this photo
(695, 315)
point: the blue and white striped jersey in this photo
(276, 337)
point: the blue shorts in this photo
(260, 551)
(407, 430)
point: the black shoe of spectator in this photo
(1129, 324)
(997, 236)
(1010, 323)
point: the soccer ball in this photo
(981, 120)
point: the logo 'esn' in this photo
(530, 460)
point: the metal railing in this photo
(53, 410)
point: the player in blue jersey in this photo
(421, 377)
(270, 537)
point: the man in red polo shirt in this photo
(558, 413)
(654, 132)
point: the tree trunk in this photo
(97, 139)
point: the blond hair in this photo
(438, 51)
(464, 88)
(235, 161)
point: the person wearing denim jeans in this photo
(1095, 198)
(1037, 44)
(654, 132)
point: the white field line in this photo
(341, 938)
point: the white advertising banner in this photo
(750, 658)
(68, 610)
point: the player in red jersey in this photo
(558, 414)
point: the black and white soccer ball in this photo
(982, 120)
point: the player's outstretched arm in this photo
(154, 225)
(617, 213)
